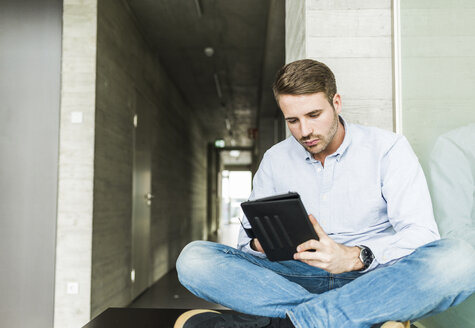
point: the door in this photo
(141, 196)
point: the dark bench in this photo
(137, 318)
(140, 318)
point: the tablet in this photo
(280, 223)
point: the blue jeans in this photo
(430, 280)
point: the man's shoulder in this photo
(373, 136)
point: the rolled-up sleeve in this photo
(409, 207)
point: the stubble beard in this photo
(324, 141)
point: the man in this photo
(379, 257)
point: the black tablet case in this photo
(280, 223)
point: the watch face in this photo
(366, 256)
(367, 262)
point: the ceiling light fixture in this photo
(219, 143)
(234, 153)
(209, 51)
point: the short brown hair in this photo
(305, 76)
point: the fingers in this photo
(312, 219)
(318, 229)
(302, 256)
(311, 244)
(316, 264)
(315, 259)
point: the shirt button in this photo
(319, 169)
(325, 196)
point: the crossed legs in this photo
(433, 278)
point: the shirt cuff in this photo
(385, 254)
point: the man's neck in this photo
(333, 145)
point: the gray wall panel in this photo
(30, 56)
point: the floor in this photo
(168, 293)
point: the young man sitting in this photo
(379, 256)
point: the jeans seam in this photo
(291, 316)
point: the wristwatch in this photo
(366, 256)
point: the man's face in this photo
(312, 120)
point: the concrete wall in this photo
(127, 69)
(76, 164)
(295, 30)
(30, 53)
(354, 38)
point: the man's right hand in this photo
(256, 245)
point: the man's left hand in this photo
(327, 254)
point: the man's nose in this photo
(305, 128)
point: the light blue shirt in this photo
(372, 191)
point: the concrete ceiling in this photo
(229, 90)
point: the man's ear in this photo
(337, 103)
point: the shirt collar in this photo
(338, 153)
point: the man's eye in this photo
(292, 121)
(314, 115)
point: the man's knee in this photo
(194, 257)
(191, 255)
